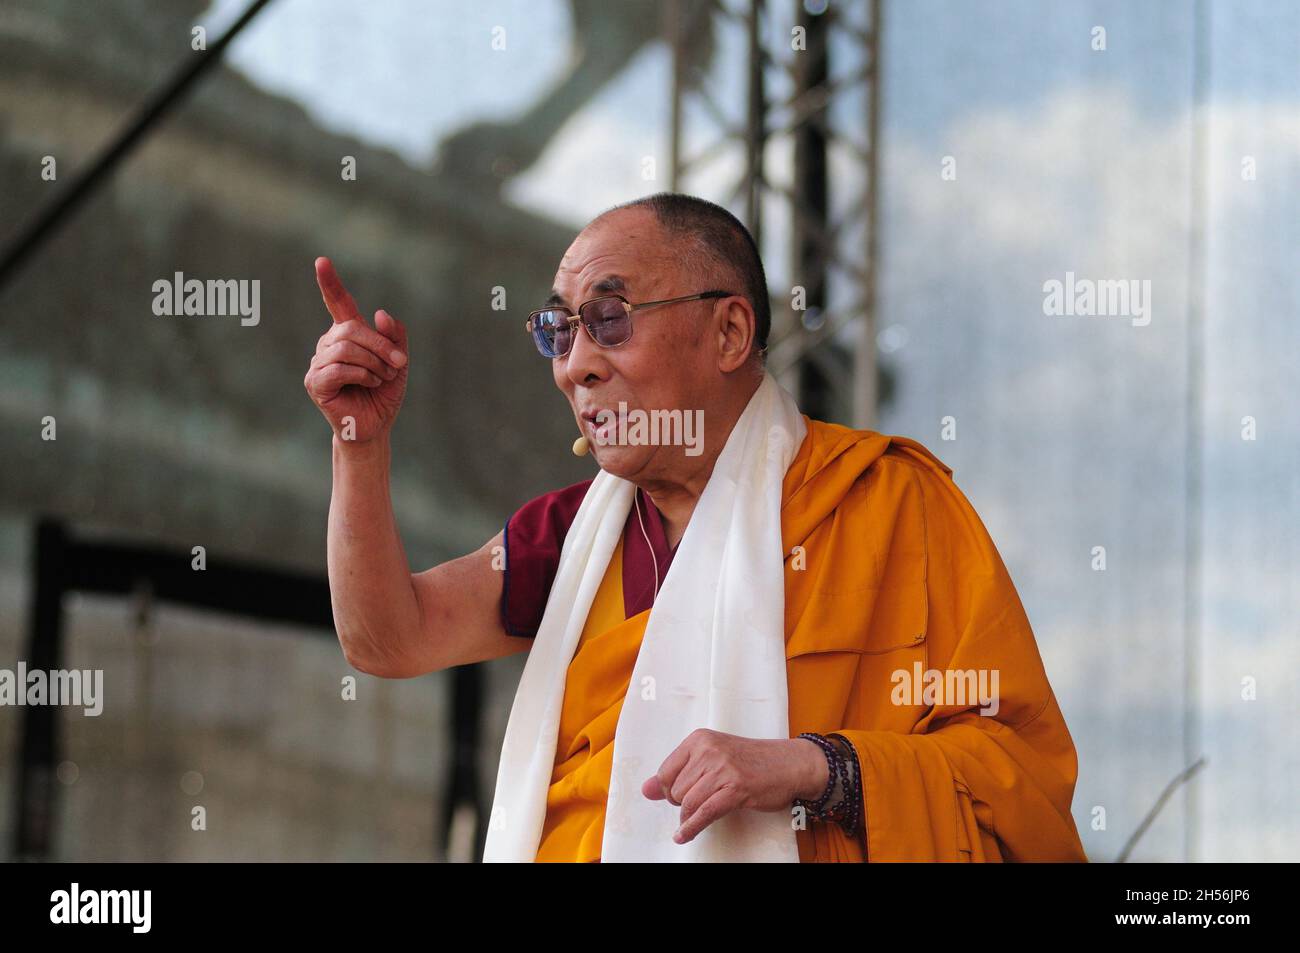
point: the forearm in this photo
(376, 613)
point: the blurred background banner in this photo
(1058, 244)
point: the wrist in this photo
(376, 448)
(361, 463)
(814, 772)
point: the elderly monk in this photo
(771, 639)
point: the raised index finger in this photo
(337, 300)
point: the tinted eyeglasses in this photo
(608, 319)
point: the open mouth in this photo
(600, 433)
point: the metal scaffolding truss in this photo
(806, 125)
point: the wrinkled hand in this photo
(711, 774)
(357, 372)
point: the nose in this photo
(585, 364)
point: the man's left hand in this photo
(711, 774)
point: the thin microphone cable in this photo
(653, 557)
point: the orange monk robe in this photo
(887, 566)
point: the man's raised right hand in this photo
(357, 376)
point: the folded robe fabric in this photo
(889, 569)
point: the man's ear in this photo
(736, 326)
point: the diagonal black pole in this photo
(158, 105)
(1182, 776)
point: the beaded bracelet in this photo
(842, 811)
(817, 808)
(851, 822)
(842, 765)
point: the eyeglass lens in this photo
(606, 319)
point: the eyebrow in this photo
(607, 285)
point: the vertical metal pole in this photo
(462, 789)
(675, 130)
(812, 70)
(39, 746)
(865, 396)
(755, 127)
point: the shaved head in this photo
(725, 256)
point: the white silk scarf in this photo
(713, 655)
